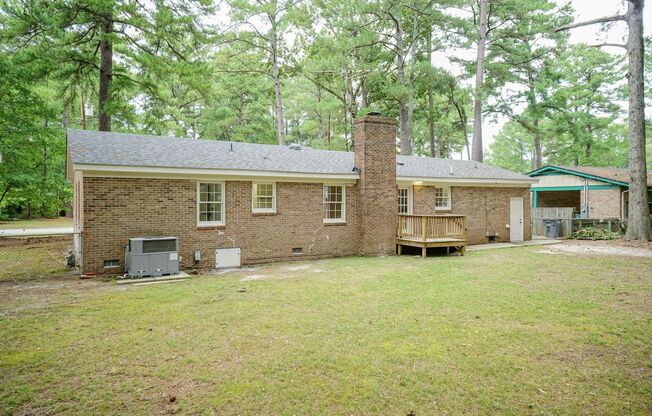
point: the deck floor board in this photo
(433, 240)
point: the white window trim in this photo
(450, 198)
(409, 197)
(335, 220)
(253, 199)
(212, 223)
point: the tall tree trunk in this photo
(466, 140)
(82, 110)
(434, 152)
(412, 53)
(66, 117)
(352, 105)
(534, 107)
(44, 178)
(405, 143)
(410, 106)
(476, 150)
(106, 72)
(431, 102)
(328, 138)
(638, 222)
(588, 146)
(345, 111)
(280, 120)
(364, 99)
(587, 152)
(538, 159)
(461, 114)
(320, 115)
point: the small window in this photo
(404, 200)
(334, 203)
(210, 204)
(442, 198)
(297, 250)
(263, 197)
(111, 264)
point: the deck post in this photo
(423, 229)
(424, 252)
(399, 249)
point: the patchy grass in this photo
(498, 331)
(33, 258)
(59, 222)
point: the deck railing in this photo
(428, 227)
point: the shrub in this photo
(594, 233)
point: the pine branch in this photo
(616, 18)
(617, 45)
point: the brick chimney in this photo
(375, 156)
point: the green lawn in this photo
(36, 223)
(496, 332)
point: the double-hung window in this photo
(334, 203)
(210, 203)
(405, 200)
(263, 197)
(443, 198)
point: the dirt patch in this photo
(281, 272)
(17, 298)
(601, 248)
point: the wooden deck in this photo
(427, 231)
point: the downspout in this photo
(586, 199)
(623, 214)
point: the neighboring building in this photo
(276, 202)
(594, 193)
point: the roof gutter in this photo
(109, 170)
(468, 181)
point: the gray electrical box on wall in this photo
(227, 257)
(152, 256)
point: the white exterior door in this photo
(516, 219)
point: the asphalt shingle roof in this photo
(615, 174)
(122, 149)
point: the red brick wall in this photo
(486, 209)
(423, 200)
(119, 208)
(603, 203)
(375, 156)
(116, 209)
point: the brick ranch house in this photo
(280, 202)
(592, 192)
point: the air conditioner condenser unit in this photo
(152, 256)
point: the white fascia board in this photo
(191, 173)
(526, 183)
(92, 170)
